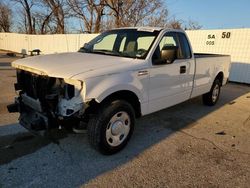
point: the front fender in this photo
(99, 88)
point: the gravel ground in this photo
(188, 145)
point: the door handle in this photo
(182, 69)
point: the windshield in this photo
(132, 43)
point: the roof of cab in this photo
(150, 29)
(142, 28)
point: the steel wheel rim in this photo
(215, 92)
(118, 128)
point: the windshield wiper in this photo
(106, 52)
(124, 54)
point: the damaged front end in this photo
(46, 102)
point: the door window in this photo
(170, 39)
(174, 39)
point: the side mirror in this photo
(169, 53)
(85, 47)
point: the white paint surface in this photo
(48, 44)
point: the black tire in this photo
(100, 123)
(210, 99)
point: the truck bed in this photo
(207, 67)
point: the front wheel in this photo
(212, 96)
(110, 130)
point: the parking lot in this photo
(188, 145)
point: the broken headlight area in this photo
(40, 87)
(44, 101)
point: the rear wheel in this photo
(110, 130)
(212, 96)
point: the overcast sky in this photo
(212, 14)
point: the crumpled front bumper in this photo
(31, 119)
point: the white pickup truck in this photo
(118, 76)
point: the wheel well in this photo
(220, 77)
(128, 96)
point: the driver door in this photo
(167, 81)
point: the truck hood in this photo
(68, 65)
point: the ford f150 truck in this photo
(118, 76)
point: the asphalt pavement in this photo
(188, 145)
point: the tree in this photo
(193, 25)
(5, 18)
(94, 16)
(181, 24)
(27, 13)
(98, 15)
(59, 10)
(90, 12)
(116, 8)
(175, 23)
(43, 22)
(42, 16)
(137, 12)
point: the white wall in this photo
(46, 43)
(236, 44)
